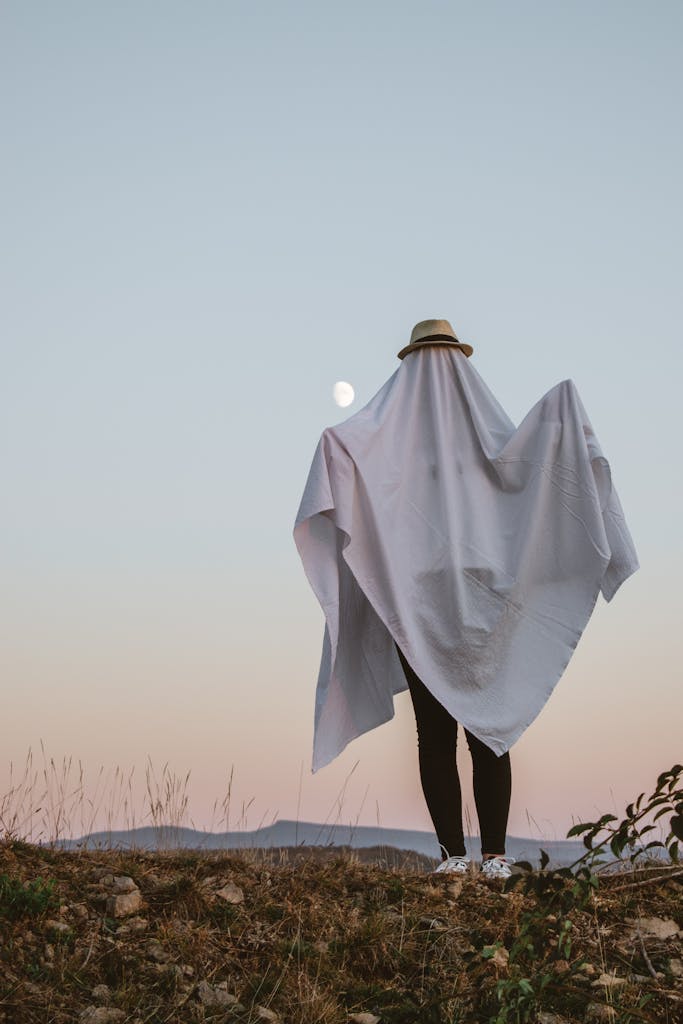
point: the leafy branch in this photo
(539, 960)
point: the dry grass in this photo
(305, 936)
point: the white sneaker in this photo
(497, 867)
(459, 865)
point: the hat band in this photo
(429, 337)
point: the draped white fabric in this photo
(429, 519)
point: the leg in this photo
(492, 790)
(437, 734)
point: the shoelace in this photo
(497, 868)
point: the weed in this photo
(544, 937)
(30, 899)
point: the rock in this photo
(107, 879)
(501, 957)
(136, 925)
(101, 993)
(217, 995)
(608, 979)
(121, 906)
(57, 926)
(364, 1018)
(600, 1012)
(676, 967)
(231, 893)
(155, 951)
(101, 1015)
(123, 884)
(80, 910)
(660, 928)
(263, 1013)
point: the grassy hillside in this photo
(329, 936)
(251, 936)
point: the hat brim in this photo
(462, 345)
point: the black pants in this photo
(437, 733)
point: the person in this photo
(460, 557)
(437, 733)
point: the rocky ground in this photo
(303, 935)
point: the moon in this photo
(343, 393)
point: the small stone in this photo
(231, 893)
(155, 951)
(123, 884)
(600, 1012)
(121, 906)
(608, 979)
(217, 995)
(676, 967)
(80, 910)
(57, 926)
(137, 924)
(660, 928)
(101, 1015)
(501, 957)
(263, 1013)
(101, 993)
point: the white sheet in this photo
(480, 548)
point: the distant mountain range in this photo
(289, 834)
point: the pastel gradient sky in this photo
(211, 212)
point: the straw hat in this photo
(434, 332)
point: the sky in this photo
(211, 212)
